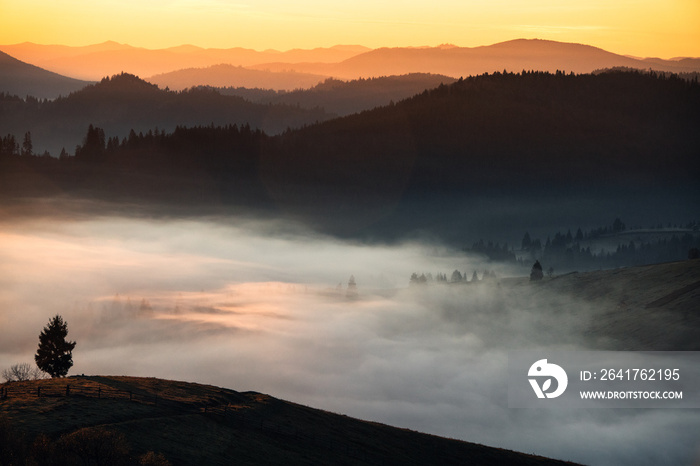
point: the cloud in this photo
(254, 305)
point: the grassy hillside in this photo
(645, 308)
(199, 424)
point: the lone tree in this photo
(536, 271)
(54, 355)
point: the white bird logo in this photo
(542, 369)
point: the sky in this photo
(642, 28)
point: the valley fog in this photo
(256, 305)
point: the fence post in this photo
(38, 392)
(67, 390)
(129, 395)
(99, 392)
(156, 399)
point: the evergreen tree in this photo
(536, 271)
(55, 353)
(27, 146)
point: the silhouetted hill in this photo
(125, 102)
(200, 424)
(95, 61)
(513, 56)
(237, 76)
(17, 77)
(346, 97)
(508, 133)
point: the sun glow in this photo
(639, 27)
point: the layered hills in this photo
(23, 79)
(340, 62)
(97, 61)
(513, 56)
(124, 103)
(229, 75)
(618, 136)
(346, 97)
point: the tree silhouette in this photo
(27, 147)
(54, 355)
(536, 271)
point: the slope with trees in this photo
(346, 97)
(538, 135)
(124, 102)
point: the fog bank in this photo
(253, 305)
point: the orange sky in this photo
(665, 29)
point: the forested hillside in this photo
(551, 136)
(124, 102)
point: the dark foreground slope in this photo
(200, 424)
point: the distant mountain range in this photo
(228, 75)
(304, 68)
(97, 61)
(514, 56)
(17, 77)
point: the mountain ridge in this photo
(97, 61)
(18, 77)
(514, 56)
(340, 61)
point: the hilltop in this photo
(201, 424)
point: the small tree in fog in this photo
(352, 288)
(55, 354)
(536, 271)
